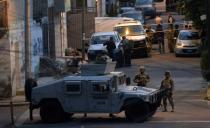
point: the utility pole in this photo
(27, 39)
(208, 28)
(83, 29)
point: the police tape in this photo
(186, 26)
(188, 23)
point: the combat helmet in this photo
(167, 73)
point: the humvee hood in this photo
(137, 90)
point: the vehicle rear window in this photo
(189, 36)
(133, 15)
(102, 39)
(143, 2)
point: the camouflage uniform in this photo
(170, 37)
(127, 48)
(150, 36)
(168, 85)
(142, 78)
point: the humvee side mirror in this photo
(128, 81)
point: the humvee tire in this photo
(138, 112)
(52, 112)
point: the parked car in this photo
(98, 39)
(135, 33)
(136, 15)
(126, 9)
(188, 43)
(147, 6)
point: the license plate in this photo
(189, 51)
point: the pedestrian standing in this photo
(110, 46)
(160, 38)
(141, 78)
(127, 48)
(158, 19)
(170, 37)
(167, 84)
(171, 19)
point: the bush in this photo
(205, 65)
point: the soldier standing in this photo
(170, 37)
(110, 46)
(168, 85)
(127, 51)
(142, 78)
(150, 36)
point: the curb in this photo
(7, 103)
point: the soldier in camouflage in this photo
(168, 85)
(170, 37)
(142, 78)
(150, 36)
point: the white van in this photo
(160, 5)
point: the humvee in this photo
(94, 93)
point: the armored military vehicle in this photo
(93, 91)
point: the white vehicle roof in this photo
(104, 77)
(188, 30)
(128, 23)
(105, 33)
(132, 8)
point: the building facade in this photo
(14, 49)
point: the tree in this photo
(193, 9)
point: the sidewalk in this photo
(19, 99)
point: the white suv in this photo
(97, 41)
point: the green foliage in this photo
(193, 9)
(205, 65)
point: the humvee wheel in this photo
(52, 112)
(153, 109)
(137, 112)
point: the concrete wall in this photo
(16, 38)
(60, 34)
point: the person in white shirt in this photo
(158, 19)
